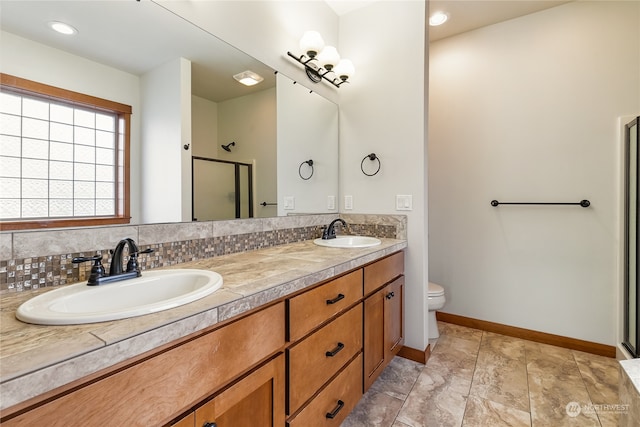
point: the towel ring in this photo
(308, 162)
(371, 157)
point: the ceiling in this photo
(464, 15)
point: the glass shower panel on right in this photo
(631, 295)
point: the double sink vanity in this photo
(292, 335)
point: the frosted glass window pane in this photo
(61, 170)
(61, 114)
(84, 190)
(105, 139)
(105, 190)
(84, 172)
(10, 145)
(10, 166)
(104, 156)
(84, 154)
(61, 132)
(105, 207)
(84, 118)
(35, 148)
(10, 125)
(60, 189)
(10, 103)
(105, 173)
(84, 136)
(83, 207)
(35, 208)
(35, 108)
(61, 151)
(9, 188)
(34, 128)
(61, 207)
(35, 168)
(10, 209)
(35, 188)
(105, 122)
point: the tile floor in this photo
(476, 378)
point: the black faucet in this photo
(98, 275)
(329, 232)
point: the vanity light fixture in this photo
(322, 62)
(248, 78)
(438, 18)
(62, 28)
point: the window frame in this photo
(123, 112)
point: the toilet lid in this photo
(435, 290)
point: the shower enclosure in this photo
(221, 189)
(631, 295)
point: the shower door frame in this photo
(633, 349)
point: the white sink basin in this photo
(153, 291)
(348, 242)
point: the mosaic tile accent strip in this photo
(18, 275)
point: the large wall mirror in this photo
(125, 51)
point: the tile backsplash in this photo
(34, 259)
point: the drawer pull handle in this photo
(210, 425)
(335, 300)
(390, 295)
(331, 415)
(335, 350)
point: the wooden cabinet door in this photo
(255, 400)
(374, 344)
(393, 318)
(186, 421)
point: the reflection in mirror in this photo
(147, 63)
(309, 134)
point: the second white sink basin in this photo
(348, 242)
(153, 291)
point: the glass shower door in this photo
(632, 298)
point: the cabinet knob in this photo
(331, 415)
(390, 295)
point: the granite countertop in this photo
(35, 359)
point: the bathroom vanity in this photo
(296, 348)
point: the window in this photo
(64, 157)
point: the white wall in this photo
(166, 120)
(34, 61)
(526, 110)
(383, 111)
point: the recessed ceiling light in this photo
(438, 18)
(62, 28)
(248, 78)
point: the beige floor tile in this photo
(601, 377)
(486, 413)
(398, 378)
(374, 409)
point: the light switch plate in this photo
(289, 202)
(404, 202)
(348, 202)
(331, 202)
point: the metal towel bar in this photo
(584, 203)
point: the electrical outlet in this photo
(404, 202)
(348, 202)
(331, 202)
(289, 202)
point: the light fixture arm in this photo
(314, 72)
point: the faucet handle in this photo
(97, 270)
(132, 264)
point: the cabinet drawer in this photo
(383, 271)
(337, 399)
(312, 308)
(318, 357)
(153, 391)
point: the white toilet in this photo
(436, 301)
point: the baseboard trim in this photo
(528, 334)
(415, 354)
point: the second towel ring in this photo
(308, 162)
(371, 157)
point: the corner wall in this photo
(526, 110)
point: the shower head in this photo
(226, 147)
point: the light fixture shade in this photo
(311, 43)
(248, 78)
(438, 18)
(344, 69)
(328, 58)
(62, 28)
